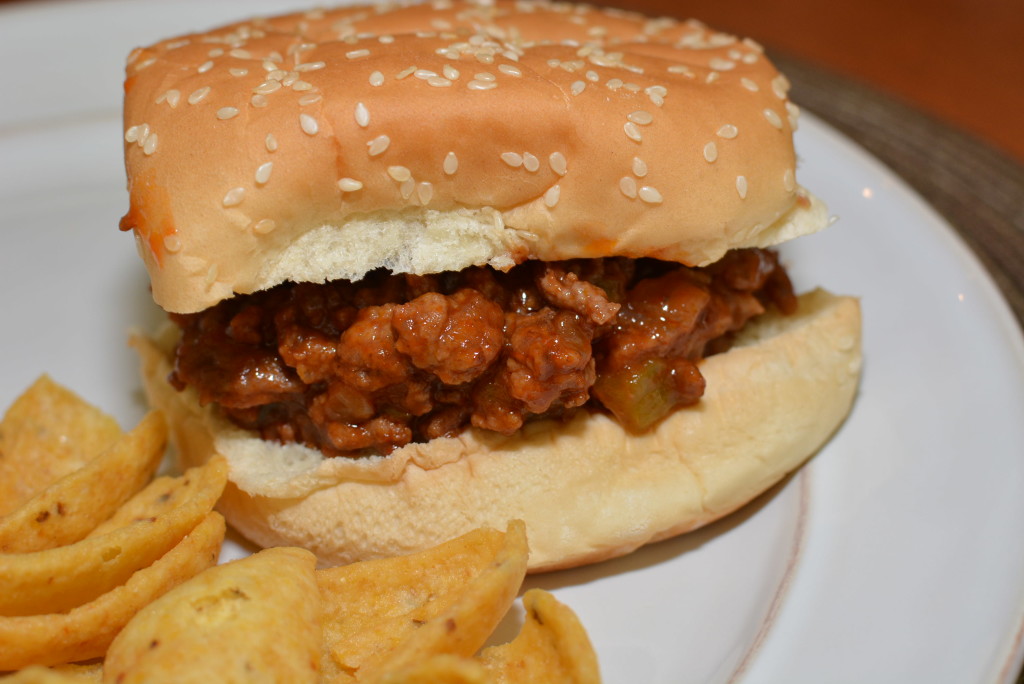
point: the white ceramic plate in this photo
(897, 555)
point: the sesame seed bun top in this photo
(433, 137)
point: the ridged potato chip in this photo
(44, 675)
(552, 646)
(252, 620)
(72, 673)
(440, 669)
(86, 632)
(47, 433)
(386, 615)
(60, 579)
(70, 508)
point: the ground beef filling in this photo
(365, 367)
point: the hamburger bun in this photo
(427, 138)
(256, 156)
(588, 490)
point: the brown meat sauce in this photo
(360, 368)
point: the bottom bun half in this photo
(587, 489)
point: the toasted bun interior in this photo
(432, 137)
(771, 402)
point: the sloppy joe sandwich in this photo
(438, 266)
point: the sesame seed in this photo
(750, 58)
(592, 76)
(216, 52)
(789, 180)
(405, 72)
(557, 162)
(712, 77)
(233, 197)
(577, 87)
(225, 113)
(510, 70)
(780, 86)
(376, 79)
(513, 159)
(719, 64)
(149, 146)
(399, 173)
(205, 66)
(680, 69)
(632, 131)
(235, 71)
(628, 187)
(407, 187)
(290, 79)
(614, 83)
(451, 163)
(362, 115)
(132, 134)
(211, 275)
(300, 86)
(386, 39)
(264, 226)
(728, 131)
(277, 75)
(425, 192)
(378, 145)
(450, 72)
(552, 196)
(166, 97)
(424, 74)
(485, 76)
(269, 65)
(356, 54)
(741, 186)
(481, 85)
(238, 53)
(773, 118)
(172, 243)
(310, 66)
(271, 142)
(259, 101)
(639, 167)
(711, 152)
(438, 82)
(349, 185)
(263, 172)
(649, 195)
(641, 117)
(309, 124)
(267, 87)
(197, 96)
(530, 162)
(143, 134)
(749, 85)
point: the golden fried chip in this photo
(44, 675)
(47, 433)
(440, 669)
(87, 631)
(551, 647)
(70, 508)
(160, 496)
(57, 580)
(384, 615)
(252, 620)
